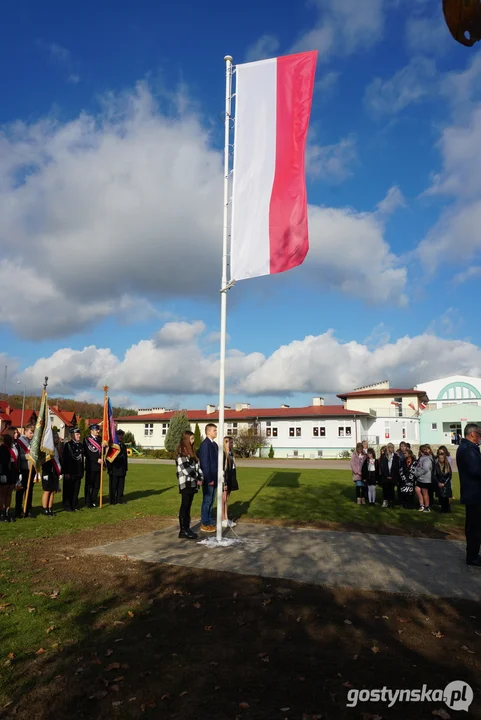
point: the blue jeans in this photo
(207, 503)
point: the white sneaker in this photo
(384, 503)
(225, 523)
(421, 508)
(231, 523)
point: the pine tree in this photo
(178, 425)
(197, 436)
(84, 431)
(271, 452)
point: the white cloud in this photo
(343, 27)
(427, 34)
(393, 201)
(62, 57)
(341, 240)
(314, 364)
(265, 47)
(109, 212)
(409, 85)
(331, 162)
(471, 273)
(179, 333)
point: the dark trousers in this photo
(71, 489)
(388, 492)
(121, 488)
(92, 487)
(186, 497)
(116, 486)
(20, 494)
(473, 531)
(361, 491)
(209, 492)
(444, 504)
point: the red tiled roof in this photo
(67, 417)
(250, 414)
(3, 405)
(16, 417)
(395, 392)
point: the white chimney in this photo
(210, 409)
(283, 407)
(318, 401)
(242, 406)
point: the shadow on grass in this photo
(146, 493)
(196, 644)
(285, 480)
(241, 507)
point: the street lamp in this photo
(23, 403)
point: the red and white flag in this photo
(269, 199)
(393, 402)
(412, 406)
(422, 406)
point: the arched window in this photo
(460, 392)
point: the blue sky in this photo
(111, 201)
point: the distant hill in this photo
(80, 408)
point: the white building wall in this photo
(452, 390)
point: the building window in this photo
(399, 406)
(434, 426)
(295, 453)
(340, 432)
(148, 429)
(295, 432)
(319, 431)
(298, 432)
(164, 428)
(274, 432)
(291, 432)
(232, 429)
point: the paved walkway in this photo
(412, 566)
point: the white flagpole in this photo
(223, 292)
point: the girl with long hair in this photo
(442, 476)
(190, 478)
(8, 476)
(230, 480)
(357, 461)
(423, 472)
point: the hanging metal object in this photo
(463, 18)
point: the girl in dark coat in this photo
(442, 477)
(190, 477)
(8, 476)
(370, 475)
(407, 481)
(230, 480)
(389, 471)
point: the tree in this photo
(271, 452)
(197, 436)
(178, 425)
(248, 441)
(84, 431)
(129, 439)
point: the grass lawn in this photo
(89, 637)
(318, 497)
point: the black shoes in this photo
(476, 562)
(188, 534)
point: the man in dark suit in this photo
(468, 460)
(93, 463)
(209, 463)
(117, 472)
(73, 470)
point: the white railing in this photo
(393, 412)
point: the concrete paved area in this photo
(412, 566)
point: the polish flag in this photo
(412, 406)
(269, 231)
(393, 402)
(422, 406)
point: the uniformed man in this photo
(23, 447)
(73, 470)
(93, 464)
(117, 472)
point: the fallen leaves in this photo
(197, 605)
(375, 649)
(208, 628)
(347, 622)
(5, 606)
(109, 653)
(244, 705)
(54, 595)
(466, 649)
(31, 609)
(40, 651)
(437, 635)
(50, 629)
(130, 614)
(112, 666)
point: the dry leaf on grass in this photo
(40, 651)
(403, 620)
(50, 629)
(5, 606)
(244, 705)
(11, 656)
(31, 609)
(464, 647)
(165, 696)
(130, 614)
(112, 666)
(109, 653)
(208, 628)
(182, 694)
(197, 605)
(375, 649)
(437, 635)
(55, 594)
(347, 622)
(98, 695)
(114, 688)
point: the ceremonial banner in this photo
(269, 199)
(42, 448)
(109, 432)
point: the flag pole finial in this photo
(45, 383)
(228, 58)
(106, 389)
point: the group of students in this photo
(200, 470)
(72, 460)
(403, 477)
